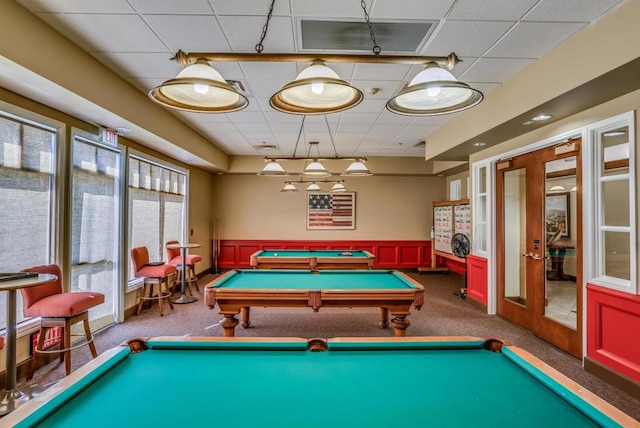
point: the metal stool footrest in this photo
(57, 351)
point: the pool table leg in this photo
(400, 324)
(229, 324)
(384, 318)
(244, 316)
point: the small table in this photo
(406, 382)
(183, 254)
(12, 397)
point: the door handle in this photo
(527, 255)
(536, 256)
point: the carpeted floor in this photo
(442, 315)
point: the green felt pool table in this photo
(236, 291)
(342, 382)
(312, 259)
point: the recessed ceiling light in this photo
(123, 130)
(541, 117)
(528, 122)
(480, 144)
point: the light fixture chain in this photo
(335, 152)
(299, 134)
(376, 49)
(265, 28)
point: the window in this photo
(95, 225)
(157, 206)
(480, 209)
(27, 178)
(612, 158)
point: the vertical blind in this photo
(95, 224)
(26, 198)
(156, 207)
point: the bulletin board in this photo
(449, 218)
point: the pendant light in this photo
(432, 92)
(199, 88)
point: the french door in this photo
(539, 243)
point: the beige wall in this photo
(252, 207)
(463, 177)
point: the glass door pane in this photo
(515, 235)
(95, 225)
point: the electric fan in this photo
(460, 245)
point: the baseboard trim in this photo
(623, 383)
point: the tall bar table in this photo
(12, 397)
(183, 254)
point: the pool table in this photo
(292, 382)
(236, 291)
(312, 259)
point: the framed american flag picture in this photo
(331, 211)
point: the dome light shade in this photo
(273, 168)
(434, 91)
(288, 187)
(199, 88)
(357, 169)
(317, 90)
(315, 169)
(338, 187)
(313, 187)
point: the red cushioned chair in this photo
(191, 259)
(153, 274)
(58, 309)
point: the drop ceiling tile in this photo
(190, 33)
(370, 106)
(491, 10)
(253, 127)
(200, 117)
(77, 6)
(391, 118)
(467, 38)
(378, 72)
(183, 7)
(244, 32)
(569, 11)
(354, 127)
(350, 116)
(277, 117)
(269, 70)
(112, 33)
(216, 127)
(495, 70)
(338, 9)
(264, 89)
(438, 120)
(410, 9)
(386, 130)
(246, 117)
(517, 43)
(141, 65)
(385, 88)
(485, 88)
(249, 7)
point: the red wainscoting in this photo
(389, 254)
(477, 282)
(613, 330)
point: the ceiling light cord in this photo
(265, 28)
(298, 140)
(333, 144)
(376, 49)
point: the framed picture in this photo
(331, 211)
(557, 215)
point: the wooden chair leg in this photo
(87, 334)
(36, 354)
(141, 298)
(66, 332)
(160, 298)
(168, 293)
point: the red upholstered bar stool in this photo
(191, 259)
(58, 309)
(153, 274)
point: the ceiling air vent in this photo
(354, 36)
(266, 148)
